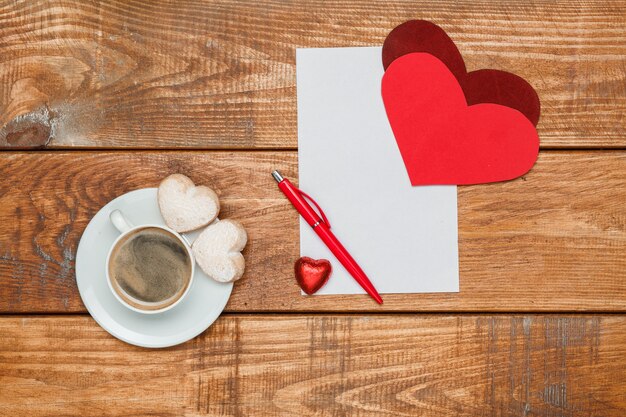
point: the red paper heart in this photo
(482, 86)
(312, 274)
(443, 140)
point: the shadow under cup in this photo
(150, 269)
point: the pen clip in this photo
(319, 209)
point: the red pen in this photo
(320, 225)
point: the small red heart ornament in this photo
(443, 140)
(481, 86)
(312, 274)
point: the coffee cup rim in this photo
(178, 236)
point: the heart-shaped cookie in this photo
(443, 140)
(218, 250)
(312, 274)
(481, 86)
(185, 206)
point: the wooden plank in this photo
(209, 74)
(322, 365)
(552, 240)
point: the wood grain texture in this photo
(470, 366)
(211, 74)
(552, 240)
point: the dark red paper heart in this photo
(443, 140)
(482, 86)
(312, 274)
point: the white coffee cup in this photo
(126, 229)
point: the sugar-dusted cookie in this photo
(218, 250)
(185, 206)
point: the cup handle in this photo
(120, 222)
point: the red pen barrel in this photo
(347, 261)
(320, 225)
(294, 196)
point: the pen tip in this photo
(378, 298)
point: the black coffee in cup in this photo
(150, 268)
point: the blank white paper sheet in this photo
(404, 237)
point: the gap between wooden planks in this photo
(222, 75)
(466, 365)
(553, 240)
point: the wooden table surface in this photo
(97, 99)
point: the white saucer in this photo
(195, 313)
